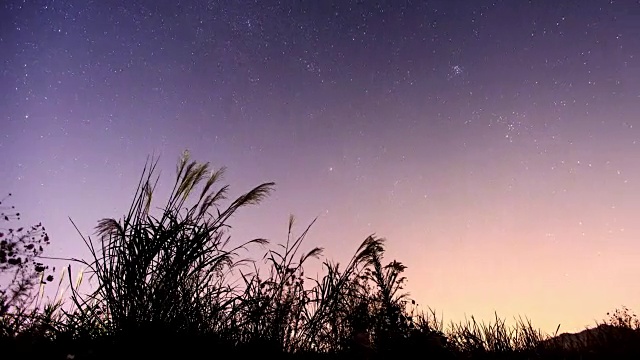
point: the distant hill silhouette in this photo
(601, 334)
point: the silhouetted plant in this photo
(623, 317)
(388, 304)
(166, 274)
(20, 270)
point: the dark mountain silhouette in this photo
(590, 337)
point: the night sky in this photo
(495, 144)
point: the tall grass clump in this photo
(165, 275)
(280, 310)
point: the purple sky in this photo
(495, 144)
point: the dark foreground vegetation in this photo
(172, 284)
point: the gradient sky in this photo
(495, 144)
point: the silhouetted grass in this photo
(175, 284)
